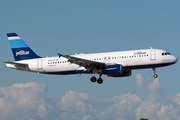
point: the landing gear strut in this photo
(154, 71)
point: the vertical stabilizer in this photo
(19, 48)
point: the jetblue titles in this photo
(22, 52)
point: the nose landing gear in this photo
(154, 71)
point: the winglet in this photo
(59, 55)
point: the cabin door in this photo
(153, 55)
(39, 64)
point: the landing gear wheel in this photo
(100, 81)
(155, 75)
(154, 71)
(93, 79)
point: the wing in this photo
(88, 64)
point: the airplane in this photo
(112, 64)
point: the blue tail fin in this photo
(19, 48)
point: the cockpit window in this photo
(166, 53)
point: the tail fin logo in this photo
(22, 52)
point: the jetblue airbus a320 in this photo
(112, 64)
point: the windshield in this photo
(166, 53)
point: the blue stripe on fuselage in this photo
(17, 43)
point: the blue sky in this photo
(70, 27)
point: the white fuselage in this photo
(135, 59)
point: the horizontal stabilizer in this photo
(17, 64)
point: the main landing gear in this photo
(154, 71)
(99, 80)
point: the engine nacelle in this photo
(111, 69)
(123, 74)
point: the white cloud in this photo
(71, 98)
(169, 112)
(156, 104)
(176, 99)
(21, 100)
(30, 101)
(87, 117)
(146, 84)
(123, 107)
(42, 110)
(73, 106)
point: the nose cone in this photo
(174, 59)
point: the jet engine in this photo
(111, 69)
(123, 74)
